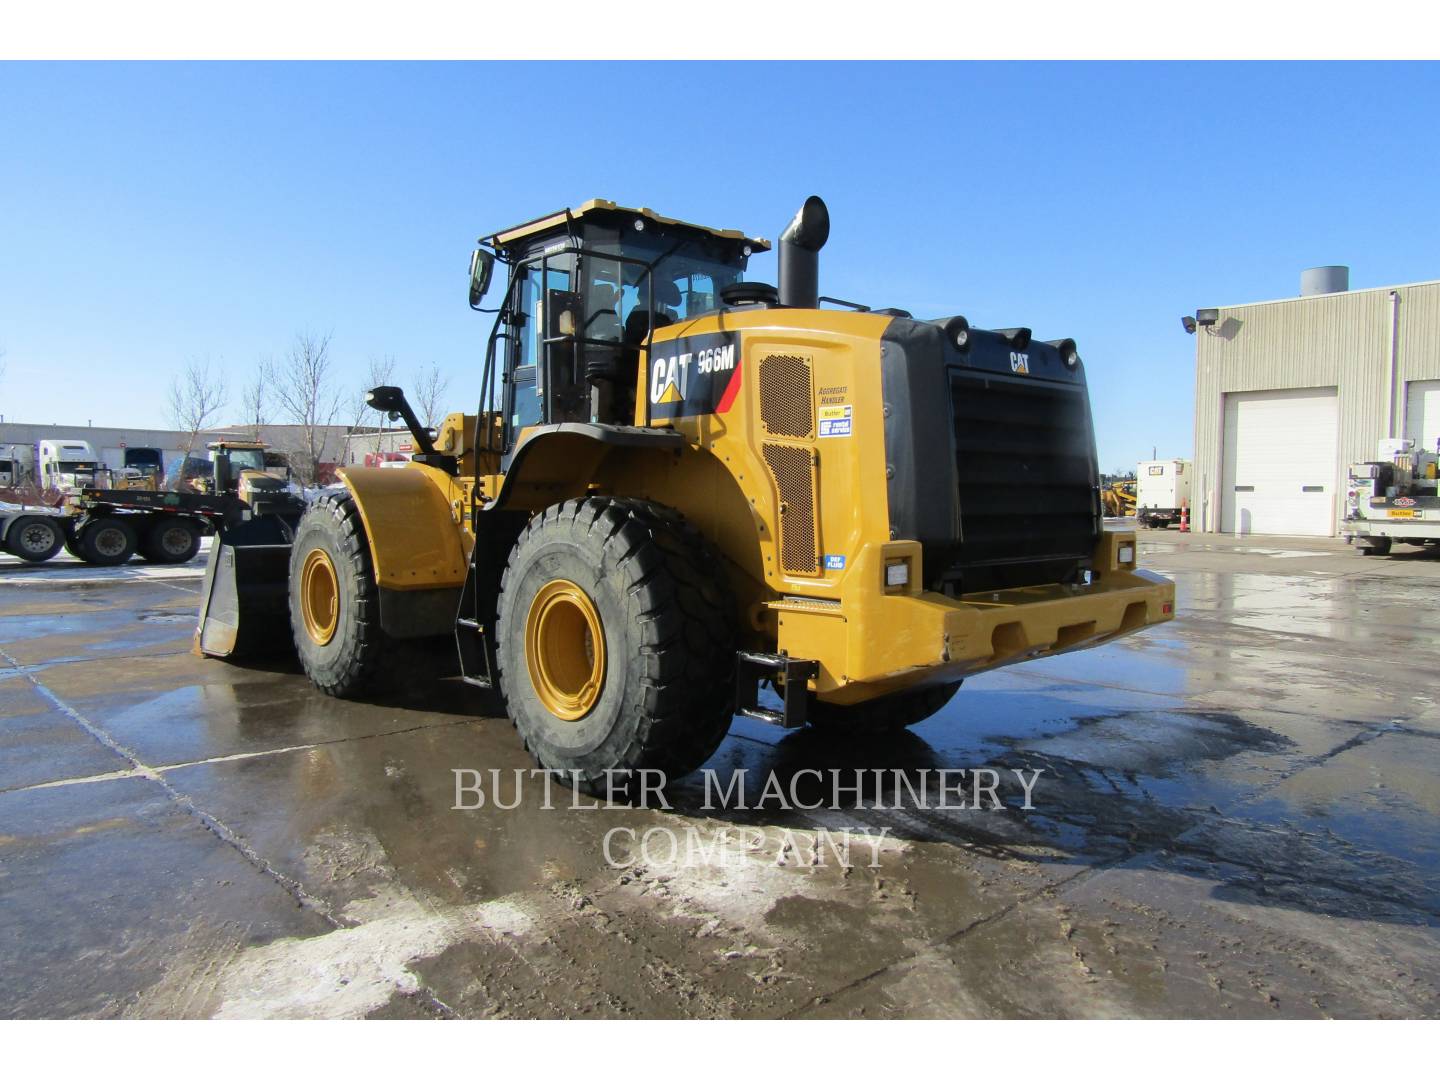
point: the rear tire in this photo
(334, 602)
(656, 691)
(170, 541)
(884, 715)
(34, 539)
(1379, 545)
(106, 541)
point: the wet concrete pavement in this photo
(1238, 815)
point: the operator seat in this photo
(667, 299)
(602, 313)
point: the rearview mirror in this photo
(482, 266)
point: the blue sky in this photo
(153, 213)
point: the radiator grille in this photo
(787, 397)
(1026, 478)
(793, 468)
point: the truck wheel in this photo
(334, 602)
(882, 715)
(615, 642)
(1377, 545)
(170, 541)
(34, 539)
(106, 541)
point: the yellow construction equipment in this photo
(682, 489)
(1118, 499)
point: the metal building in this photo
(1289, 392)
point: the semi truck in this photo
(68, 465)
(17, 464)
(1393, 498)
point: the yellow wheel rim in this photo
(565, 649)
(319, 596)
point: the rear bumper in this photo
(877, 645)
(1359, 528)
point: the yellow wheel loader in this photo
(1118, 499)
(682, 489)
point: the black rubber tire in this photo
(24, 538)
(96, 543)
(882, 715)
(666, 614)
(162, 542)
(1379, 546)
(347, 664)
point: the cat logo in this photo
(668, 381)
(1020, 363)
(694, 376)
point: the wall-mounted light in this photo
(1188, 322)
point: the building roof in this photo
(1321, 296)
(505, 237)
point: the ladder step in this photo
(477, 680)
(769, 716)
(767, 661)
(470, 624)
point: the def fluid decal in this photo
(694, 376)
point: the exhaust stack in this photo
(799, 253)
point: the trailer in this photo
(105, 525)
(105, 528)
(1394, 499)
(1162, 491)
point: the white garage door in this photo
(1280, 462)
(1422, 413)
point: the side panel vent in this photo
(787, 397)
(793, 468)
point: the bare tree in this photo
(302, 388)
(430, 387)
(196, 396)
(256, 399)
(381, 371)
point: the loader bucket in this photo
(244, 603)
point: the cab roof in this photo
(598, 207)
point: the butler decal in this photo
(694, 376)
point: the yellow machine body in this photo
(783, 469)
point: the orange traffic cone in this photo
(1185, 516)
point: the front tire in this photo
(885, 715)
(34, 539)
(334, 601)
(615, 643)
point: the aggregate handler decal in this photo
(694, 376)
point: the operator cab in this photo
(586, 289)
